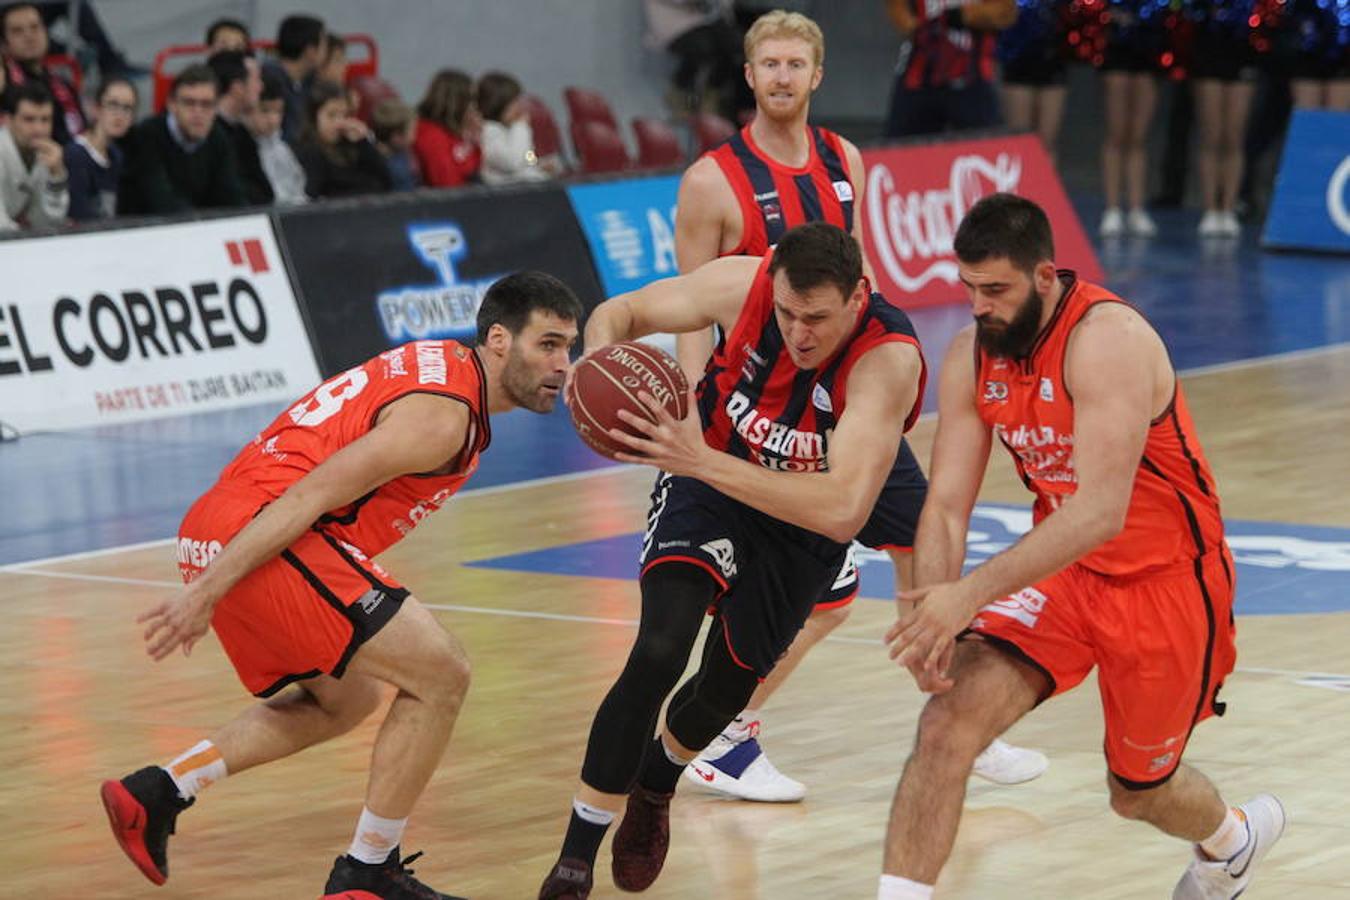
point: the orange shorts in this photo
(1163, 643)
(304, 613)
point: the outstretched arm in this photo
(418, 433)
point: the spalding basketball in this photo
(610, 379)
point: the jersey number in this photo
(328, 398)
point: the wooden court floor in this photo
(80, 702)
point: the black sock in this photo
(583, 839)
(659, 774)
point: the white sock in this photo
(743, 727)
(893, 887)
(1228, 840)
(593, 814)
(197, 769)
(375, 837)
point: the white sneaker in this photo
(1228, 221)
(1211, 224)
(1002, 763)
(740, 769)
(1225, 880)
(1113, 223)
(1140, 223)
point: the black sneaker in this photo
(352, 879)
(570, 879)
(142, 809)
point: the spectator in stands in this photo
(1129, 67)
(334, 65)
(945, 78)
(446, 147)
(94, 159)
(335, 148)
(1223, 78)
(1034, 70)
(92, 34)
(707, 49)
(284, 172)
(181, 159)
(508, 141)
(228, 34)
(32, 171)
(23, 44)
(302, 44)
(393, 126)
(239, 86)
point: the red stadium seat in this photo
(588, 106)
(547, 137)
(599, 148)
(710, 130)
(658, 145)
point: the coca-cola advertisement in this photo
(916, 196)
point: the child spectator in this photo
(446, 151)
(94, 159)
(393, 126)
(508, 141)
(335, 148)
(283, 170)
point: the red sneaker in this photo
(641, 842)
(352, 879)
(569, 880)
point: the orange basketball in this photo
(611, 379)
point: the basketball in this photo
(610, 380)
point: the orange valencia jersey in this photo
(343, 409)
(1174, 510)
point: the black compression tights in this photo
(675, 597)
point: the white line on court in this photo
(591, 620)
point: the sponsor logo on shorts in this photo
(666, 545)
(723, 553)
(1024, 606)
(370, 601)
(1158, 763)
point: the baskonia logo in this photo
(445, 310)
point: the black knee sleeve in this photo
(716, 694)
(675, 597)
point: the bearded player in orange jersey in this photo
(739, 199)
(1126, 568)
(277, 557)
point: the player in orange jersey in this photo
(740, 198)
(1127, 565)
(278, 559)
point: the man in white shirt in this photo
(32, 170)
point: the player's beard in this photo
(524, 387)
(1012, 339)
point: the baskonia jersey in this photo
(344, 408)
(755, 402)
(941, 53)
(775, 198)
(1174, 510)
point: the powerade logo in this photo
(445, 310)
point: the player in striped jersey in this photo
(740, 198)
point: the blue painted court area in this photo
(1281, 569)
(1214, 302)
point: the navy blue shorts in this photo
(771, 574)
(892, 524)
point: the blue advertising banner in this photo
(630, 226)
(1311, 210)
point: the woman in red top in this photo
(445, 146)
